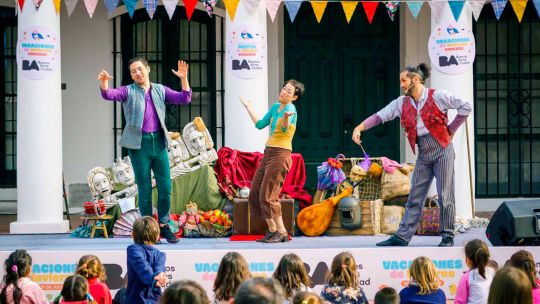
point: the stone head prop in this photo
(123, 171)
(99, 182)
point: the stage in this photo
(55, 256)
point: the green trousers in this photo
(152, 156)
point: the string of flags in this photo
(293, 6)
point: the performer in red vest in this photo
(423, 114)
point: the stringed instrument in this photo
(315, 219)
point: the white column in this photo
(39, 136)
(240, 133)
(461, 84)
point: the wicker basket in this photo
(209, 229)
(369, 190)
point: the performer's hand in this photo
(182, 71)
(356, 134)
(104, 76)
(245, 102)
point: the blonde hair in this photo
(343, 271)
(90, 267)
(424, 273)
(145, 231)
(307, 297)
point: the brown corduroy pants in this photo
(268, 181)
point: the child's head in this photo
(292, 90)
(145, 231)
(387, 295)
(18, 265)
(524, 260)
(477, 254)
(90, 267)
(510, 286)
(184, 291)
(343, 271)
(291, 273)
(75, 288)
(307, 297)
(423, 272)
(232, 271)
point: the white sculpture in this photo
(199, 143)
(123, 174)
(178, 154)
(101, 186)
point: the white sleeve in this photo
(446, 100)
(392, 110)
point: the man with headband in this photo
(423, 114)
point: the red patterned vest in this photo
(435, 121)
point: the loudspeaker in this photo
(515, 223)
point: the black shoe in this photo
(447, 242)
(393, 241)
(266, 237)
(166, 233)
(277, 237)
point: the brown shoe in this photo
(277, 237)
(266, 237)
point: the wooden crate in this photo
(335, 227)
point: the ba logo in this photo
(237, 65)
(444, 61)
(27, 65)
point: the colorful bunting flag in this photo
(57, 6)
(37, 4)
(90, 7)
(293, 7)
(348, 8)
(272, 7)
(190, 7)
(437, 8)
(151, 6)
(476, 7)
(111, 6)
(130, 6)
(537, 6)
(456, 7)
(391, 8)
(370, 8)
(251, 5)
(414, 7)
(318, 8)
(170, 7)
(498, 7)
(70, 6)
(231, 6)
(519, 8)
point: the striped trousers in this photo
(433, 161)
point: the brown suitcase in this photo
(246, 224)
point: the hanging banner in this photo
(70, 6)
(498, 7)
(391, 8)
(370, 8)
(151, 6)
(90, 7)
(57, 6)
(272, 7)
(519, 8)
(476, 7)
(293, 7)
(437, 8)
(170, 7)
(414, 7)
(190, 7)
(111, 6)
(537, 6)
(38, 53)
(452, 47)
(318, 8)
(456, 6)
(209, 6)
(130, 6)
(231, 6)
(246, 52)
(348, 9)
(251, 5)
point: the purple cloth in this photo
(372, 121)
(458, 121)
(151, 120)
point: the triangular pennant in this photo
(414, 7)
(456, 7)
(498, 7)
(209, 6)
(90, 7)
(231, 6)
(272, 7)
(476, 7)
(37, 4)
(293, 7)
(391, 8)
(70, 6)
(151, 6)
(437, 8)
(130, 6)
(251, 5)
(537, 6)
(170, 7)
(370, 8)
(18, 2)
(190, 7)
(348, 8)
(57, 6)
(111, 6)
(519, 8)
(318, 8)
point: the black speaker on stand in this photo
(515, 223)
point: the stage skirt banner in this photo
(378, 267)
